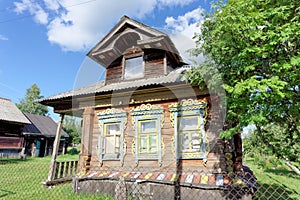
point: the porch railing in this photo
(63, 172)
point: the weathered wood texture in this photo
(215, 163)
(154, 66)
(11, 142)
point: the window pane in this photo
(143, 144)
(134, 68)
(185, 142)
(153, 143)
(112, 129)
(148, 126)
(188, 123)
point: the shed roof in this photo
(41, 126)
(100, 87)
(9, 112)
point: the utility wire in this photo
(31, 15)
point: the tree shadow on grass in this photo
(12, 161)
(4, 193)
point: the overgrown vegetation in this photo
(253, 48)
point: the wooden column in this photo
(55, 147)
(86, 137)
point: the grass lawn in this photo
(21, 179)
(276, 181)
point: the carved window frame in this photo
(148, 112)
(187, 108)
(109, 116)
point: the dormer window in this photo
(133, 68)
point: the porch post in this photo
(55, 147)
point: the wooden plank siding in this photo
(215, 162)
(154, 66)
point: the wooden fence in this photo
(63, 172)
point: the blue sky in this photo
(46, 41)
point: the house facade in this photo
(145, 125)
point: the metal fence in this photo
(22, 179)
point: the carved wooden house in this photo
(145, 123)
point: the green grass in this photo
(21, 179)
(275, 180)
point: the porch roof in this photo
(175, 76)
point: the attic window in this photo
(133, 68)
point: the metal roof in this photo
(9, 112)
(41, 125)
(100, 87)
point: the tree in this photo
(255, 46)
(73, 127)
(29, 105)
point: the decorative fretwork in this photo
(188, 105)
(146, 113)
(109, 116)
(183, 110)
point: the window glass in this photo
(189, 135)
(112, 129)
(147, 136)
(134, 68)
(188, 123)
(148, 126)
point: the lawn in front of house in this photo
(22, 179)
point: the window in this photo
(147, 121)
(188, 120)
(134, 68)
(147, 136)
(111, 140)
(189, 134)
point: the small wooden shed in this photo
(12, 121)
(39, 136)
(145, 124)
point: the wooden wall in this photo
(154, 66)
(215, 162)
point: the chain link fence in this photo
(22, 179)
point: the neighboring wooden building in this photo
(12, 121)
(40, 134)
(145, 123)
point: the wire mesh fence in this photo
(22, 179)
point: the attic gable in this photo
(126, 34)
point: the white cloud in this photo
(78, 24)
(2, 37)
(40, 16)
(183, 28)
(175, 2)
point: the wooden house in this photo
(12, 121)
(145, 125)
(39, 136)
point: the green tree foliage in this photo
(73, 127)
(255, 45)
(28, 104)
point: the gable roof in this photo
(127, 33)
(9, 112)
(41, 126)
(100, 87)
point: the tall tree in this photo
(29, 105)
(255, 46)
